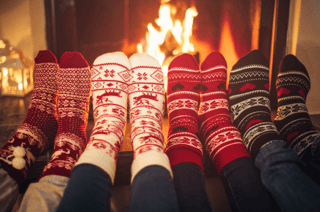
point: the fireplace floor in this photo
(12, 114)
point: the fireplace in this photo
(233, 27)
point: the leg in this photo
(292, 189)
(292, 120)
(224, 144)
(250, 108)
(146, 112)
(184, 148)
(89, 189)
(153, 190)
(9, 191)
(73, 79)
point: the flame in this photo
(227, 47)
(182, 32)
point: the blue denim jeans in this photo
(244, 188)
(153, 190)
(292, 189)
(89, 189)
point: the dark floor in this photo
(13, 111)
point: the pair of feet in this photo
(250, 105)
(187, 82)
(57, 114)
(115, 79)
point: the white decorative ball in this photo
(18, 163)
(19, 152)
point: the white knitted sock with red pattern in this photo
(146, 97)
(109, 77)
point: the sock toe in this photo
(184, 61)
(45, 56)
(215, 58)
(72, 60)
(257, 56)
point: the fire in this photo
(173, 37)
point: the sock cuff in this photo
(149, 159)
(185, 155)
(100, 159)
(229, 154)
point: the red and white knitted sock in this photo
(73, 80)
(183, 97)
(146, 97)
(110, 77)
(37, 132)
(222, 139)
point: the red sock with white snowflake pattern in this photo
(109, 77)
(146, 97)
(73, 80)
(222, 139)
(183, 97)
(37, 132)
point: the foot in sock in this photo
(292, 120)
(146, 97)
(222, 139)
(183, 96)
(37, 132)
(73, 80)
(109, 77)
(249, 101)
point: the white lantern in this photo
(16, 78)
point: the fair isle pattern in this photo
(109, 85)
(73, 107)
(254, 66)
(37, 132)
(305, 142)
(222, 140)
(147, 105)
(239, 108)
(249, 75)
(183, 104)
(44, 95)
(146, 98)
(290, 109)
(295, 72)
(249, 101)
(64, 144)
(185, 139)
(257, 131)
(214, 104)
(294, 80)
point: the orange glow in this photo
(180, 31)
(227, 47)
(255, 23)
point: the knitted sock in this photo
(37, 132)
(183, 96)
(292, 120)
(249, 101)
(73, 80)
(223, 140)
(146, 97)
(110, 77)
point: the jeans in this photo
(190, 188)
(153, 190)
(244, 188)
(292, 189)
(89, 189)
(9, 191)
